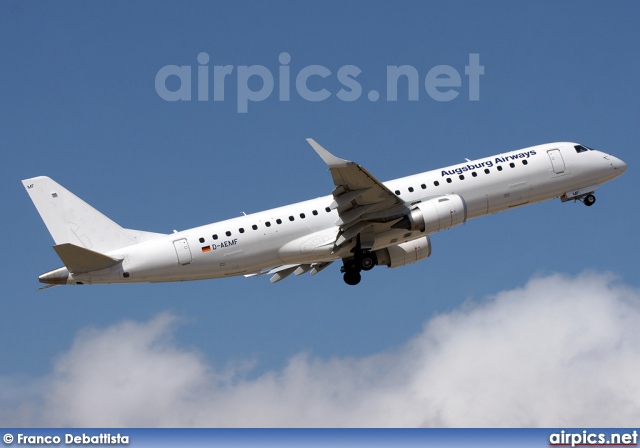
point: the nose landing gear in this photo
(589, 200)
(586, 198)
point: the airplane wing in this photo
(365, 206)
(360, 198)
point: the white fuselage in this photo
(251, 243)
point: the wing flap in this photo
(345, 198)
(284, 271)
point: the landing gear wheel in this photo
(589, 200)
(367, 263)
(352, 278)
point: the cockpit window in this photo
(580, 148)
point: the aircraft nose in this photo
(618, 164)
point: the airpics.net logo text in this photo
(255, 83)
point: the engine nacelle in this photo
(404, 253)
(435, 214)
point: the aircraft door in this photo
(182, 251)
(556, 161)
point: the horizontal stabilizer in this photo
(78, 259)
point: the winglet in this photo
(329, 159)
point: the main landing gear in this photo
(362, 260)
(352, 277)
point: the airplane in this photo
(363, 222)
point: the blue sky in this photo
(80, 105)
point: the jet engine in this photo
(404, 253)
(435, 214)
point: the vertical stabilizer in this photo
(71, 220)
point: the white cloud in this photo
(561, 351)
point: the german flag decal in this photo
(206, 249)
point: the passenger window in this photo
(461, 177)
(215, 237)
(201, 240)
(254, 227)
(268, 224)
(291, 218)
(327, 209)
(302, 215)
(448, 180)
(315, 212)
(474, 174)
(228, 233)
(397, 192)
(486, 171)
(423, 186)
(524, 162)
(499, 168)
(410, 189)
(241, 230)
(436, 183)
(512, 165)
(279, 221)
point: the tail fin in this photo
(71, 220)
